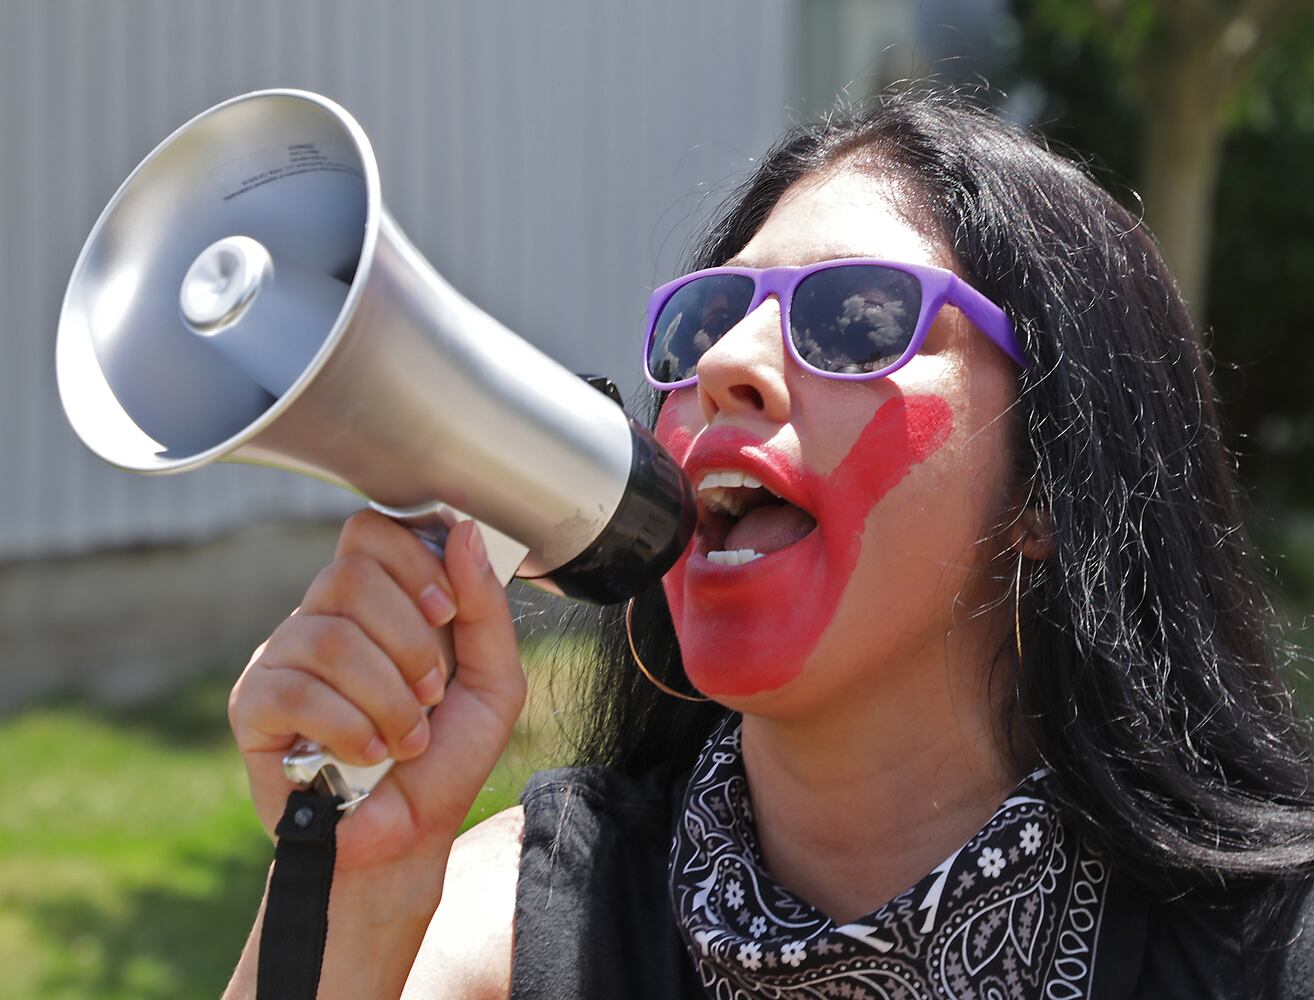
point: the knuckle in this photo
(259, 651)
(244, 698)
(292, 698)
(321, 592)
(400, 713)
(354, 573)
(351, 736)
(491, 610)
(284, 633)
(420, 653)
(367, 532)
(360, 525)
(339, 583)
(421, 562)
(331, 640)
(395, 717)
(237, 703)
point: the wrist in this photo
(389, 896)
(377, 921)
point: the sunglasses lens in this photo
(855, 318)
(694, 318)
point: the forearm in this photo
(243, 984)
(377, 923)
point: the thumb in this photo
(487, 657)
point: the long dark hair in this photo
(1149, 680)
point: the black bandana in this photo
(1013, 914)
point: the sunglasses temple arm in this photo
(988, 317)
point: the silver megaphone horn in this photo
(246, 297)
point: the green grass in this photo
(131, 862)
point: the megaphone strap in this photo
(296, 911)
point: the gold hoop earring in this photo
(1017, 608)
(629, 634)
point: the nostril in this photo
(748, 394)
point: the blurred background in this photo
(553, 160)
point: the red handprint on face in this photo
(750, 631)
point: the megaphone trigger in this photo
(605, 386)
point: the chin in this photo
(727, 682)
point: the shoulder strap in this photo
(593, 913)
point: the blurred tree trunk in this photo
(1188, 73)
(1180, 150)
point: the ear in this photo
(1032, 533)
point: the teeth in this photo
(714, 490)
(728, 478)
(733, 557)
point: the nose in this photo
(743, 373)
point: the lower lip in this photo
(747, 626)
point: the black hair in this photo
(1150, 681)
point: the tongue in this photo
(766, 529)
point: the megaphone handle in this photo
(310, 765)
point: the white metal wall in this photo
(549, 156)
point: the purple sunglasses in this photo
(854, 318)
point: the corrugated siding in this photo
(549, 158)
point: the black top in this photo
(594, 919)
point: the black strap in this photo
(296, 913)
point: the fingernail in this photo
(436, 605)
(476, 542)
(429, 688)
(376, 751)
(416, 740)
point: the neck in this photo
(855, 803)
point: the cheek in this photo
(904, 432)
(672, 431)
(902, 551)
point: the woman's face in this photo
(896, 484)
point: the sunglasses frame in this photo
(939, 287)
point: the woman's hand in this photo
(353, 669)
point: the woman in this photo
(995, 715)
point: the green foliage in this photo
(1121, 31)
(1261, 313)
(1087, 105)
(1086, 59)
(1279, 95)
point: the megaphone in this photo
(246, 297)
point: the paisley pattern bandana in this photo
(1013, 914)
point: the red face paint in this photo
(751, 628)
(674, 436)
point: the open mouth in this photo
(740, 520)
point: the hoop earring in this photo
(629, 634)
(1017, 608)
